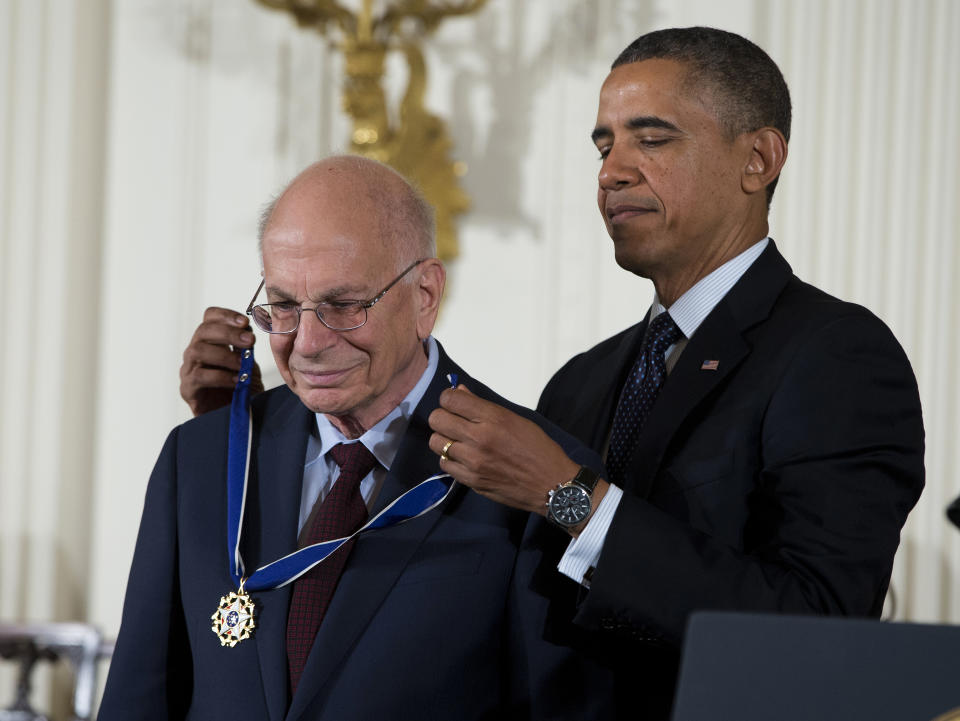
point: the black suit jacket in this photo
(436, 618)
(777, 482)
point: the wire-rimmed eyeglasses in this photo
(335, 314)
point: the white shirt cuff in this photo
(583, 553)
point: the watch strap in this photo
(586, 478)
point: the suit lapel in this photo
(272, 516)
(719, 338)
(686, 386)
(368, 577)
(590, 422)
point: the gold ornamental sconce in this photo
(417, 144)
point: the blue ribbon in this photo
(419, 500)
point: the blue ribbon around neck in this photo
(417, 501)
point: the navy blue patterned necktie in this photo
(639, 393)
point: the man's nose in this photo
(312, 335)
(618, 169)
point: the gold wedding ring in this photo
(443, 453)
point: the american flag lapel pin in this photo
(709, 365)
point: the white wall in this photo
(139, 138)
(53, 83)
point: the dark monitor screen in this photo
(766, 667)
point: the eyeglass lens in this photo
(285, 317)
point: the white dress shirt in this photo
(383, 440)
(688, 312)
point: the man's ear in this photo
(430, 284)
(767, 154)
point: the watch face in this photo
(570, 505)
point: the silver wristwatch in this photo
(569, 504)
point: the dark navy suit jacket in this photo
(778, 481)
(437, 618)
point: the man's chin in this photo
(627, 257)
(331, 401)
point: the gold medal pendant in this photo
(233, 620)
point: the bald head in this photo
(350, 233)
(359, 187)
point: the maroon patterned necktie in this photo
(342, 512)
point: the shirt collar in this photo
(384, 438)
(691, 308)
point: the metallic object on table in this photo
(418, 145)
(78, 643)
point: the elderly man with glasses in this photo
(435, 609)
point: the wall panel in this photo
(867, 210)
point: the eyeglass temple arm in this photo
(259, 288)
(373, 301)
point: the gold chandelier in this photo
(418, 144)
